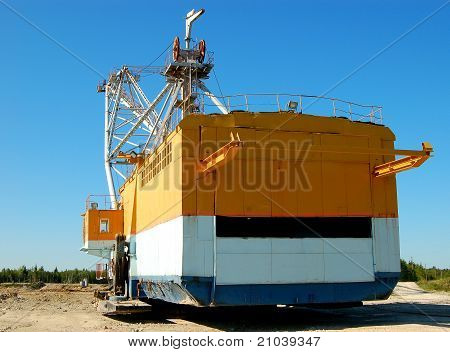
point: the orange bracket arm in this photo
(406, 163)
(131, 158)
(222, 155)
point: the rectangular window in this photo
(326, 227)
(104, 225)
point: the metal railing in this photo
(99, 201)
(303, 104)
(209, 58)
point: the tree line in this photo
(35, 274)
(411, 271)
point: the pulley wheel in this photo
(202, 50)
(176, 49)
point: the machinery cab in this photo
(100, 227)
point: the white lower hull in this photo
(188, 246)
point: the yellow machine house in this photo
(244, 206)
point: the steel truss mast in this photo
(135, 124)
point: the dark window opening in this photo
(327, 227)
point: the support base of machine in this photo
(123, 307)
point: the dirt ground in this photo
(70, 308)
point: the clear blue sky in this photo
(52, 117)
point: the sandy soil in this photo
(70, 308)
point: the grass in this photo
(436, 285)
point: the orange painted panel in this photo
(358, 188)
(189, 143)
(334, 191)
(208, 141)
(390, 184)
(206, 191)
(310, 188)
(229, 195)
(129, 195)
(268, 176)
(256, 188)
(284, 191)
(391, 196)
(93, 218)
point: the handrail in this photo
(298, 95)
(102, 201)
(303, 104)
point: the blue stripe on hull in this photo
(199, 291)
